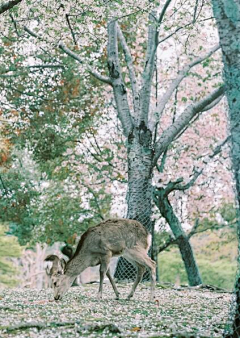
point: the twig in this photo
(8, 5)
(3, 184)
(71, 30)
(15, 25)
(191, 111)
(76, 57)
(38, 325)
(165, 7)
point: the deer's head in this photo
(61, 284)
(54, 267)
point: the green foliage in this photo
(9, 248)
(42, 193)
(16, 195)
(220, 273)
(51, 209)
(215, 256)
(227, 213)
(215, 248)
(61, 215)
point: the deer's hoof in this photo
(99, 296)
(152, 298)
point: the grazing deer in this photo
(114, 237)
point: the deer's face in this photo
(61, 283)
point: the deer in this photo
(54, 266)
(113, 237)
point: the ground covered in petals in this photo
(175, 313)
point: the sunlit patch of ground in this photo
(175, 313)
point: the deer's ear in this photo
(47, 265)
(63, 263)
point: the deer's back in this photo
(115, 235)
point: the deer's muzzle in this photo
(57, 297)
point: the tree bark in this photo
(139, 195)
(182, 240)
(140, 155)
(227, 15)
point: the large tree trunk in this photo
(139, 195)
(227, 14)
(182, 240)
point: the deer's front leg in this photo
(105, 260)
(102, 273)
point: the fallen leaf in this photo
(135, 329)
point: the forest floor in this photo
(183, 312)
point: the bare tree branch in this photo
(181, 75)
(30, 32)
(165, 7)
(176, 185)
(197, 173)
(208, 107)
(171, 240)
(95, 199)
(115, 72)
(195, 11)
(183, 120)
(65, 49)
(21, 71)
(148, 71)
(176, 30)
(71, 29)
(8, 5)
(160, 193)
(182, 27)
(131, 70)
(213, 104)
(15, 25)
(94, 73)
(160, 167)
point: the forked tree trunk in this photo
(143, 151)
(184, 245)
(227, 15)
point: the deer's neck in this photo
(75, 266)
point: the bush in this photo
(9, 248)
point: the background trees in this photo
(69, 69)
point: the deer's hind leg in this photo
(140, 257)
(138, 279)
(113, 283)
(104, 264)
